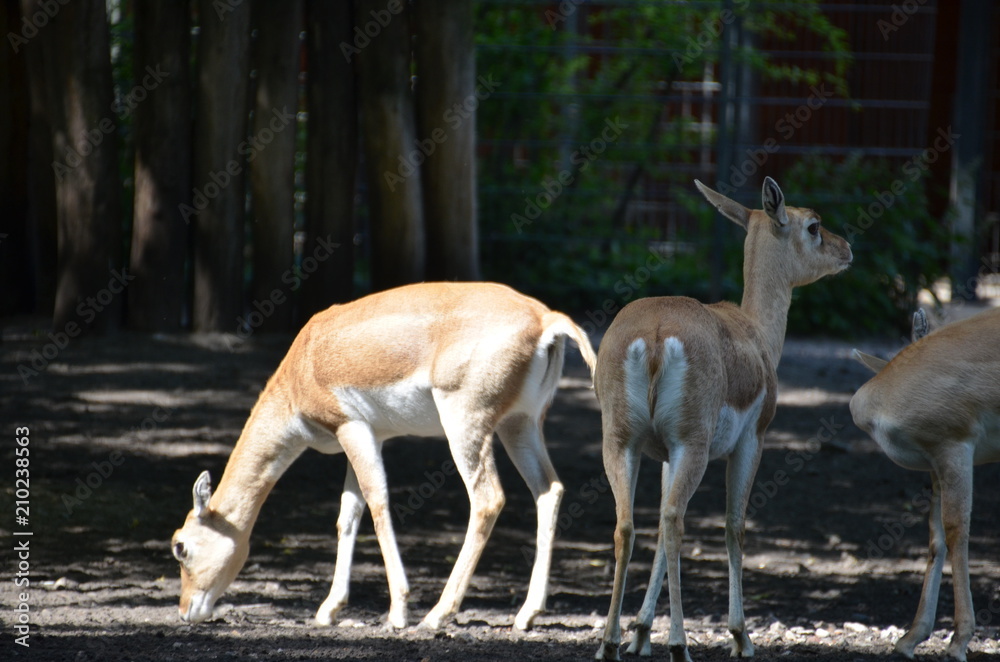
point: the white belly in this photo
(403, 408)
(898, 445)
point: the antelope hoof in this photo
(957, 649)
(327, 612)
(679, 653)
(640, 642)
(397, 619)
(525, 619)
(608, 651)
(742, 646)
(435, 620)
(906, 644)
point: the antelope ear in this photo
(921, 327)
(873, 363)
(202, 493)
(731, 209)
(774, 203)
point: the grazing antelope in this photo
(685, 383)
(936, 407)
(463, 360)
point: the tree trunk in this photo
(940, 105)
(220, 130)
(162, 164)
(969, 152)
(90, 283)
(16, 295)
(42, 234)
(331, 154)
(446, 123)
(276, 54)
(391, 155)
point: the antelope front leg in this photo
(644, 621)
(364, 453)
(923, 622)
(740, 471)
(352, 507)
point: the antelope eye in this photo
(179, 552)
(813, 229)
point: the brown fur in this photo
(934, 408)
(731, 355)
(467, 347)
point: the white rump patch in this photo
(670, 390)
(637, 387)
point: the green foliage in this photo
(899, 249)
(787, 26)
(555, 182)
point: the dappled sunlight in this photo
(145, 397)
(146, 368)
(810, 397)
(807, 543)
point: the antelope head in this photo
(211, 553)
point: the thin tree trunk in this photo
(42, 233)
(90, 284)
(16, 294)
(331, 154)
(218, 173)
(162, 164)
(446, 68)
(940, 105)
(276, 54)
(391, 155)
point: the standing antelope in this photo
(458, 359)
(936, 407)
(685, 382)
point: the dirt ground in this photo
(834, 560)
